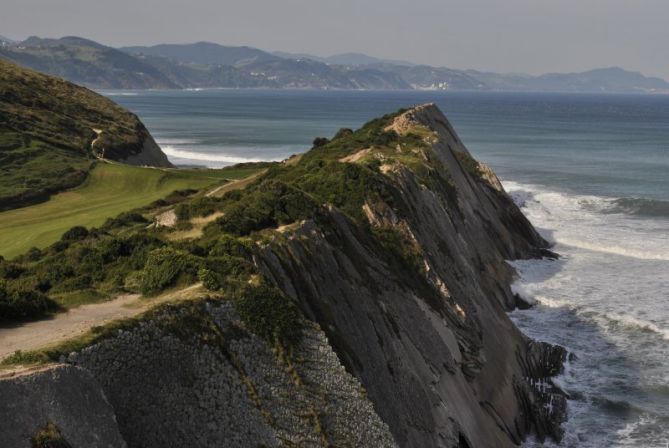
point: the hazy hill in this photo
(204, 53)
(205, 64)
(214, 65)
(614, 79)
(343, 58)
(85, 62)
(51, 132)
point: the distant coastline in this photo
(208, 65)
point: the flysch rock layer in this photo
(168, 388)
(391, 357)
(438, 356)
(66, 395)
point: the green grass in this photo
(110, 190)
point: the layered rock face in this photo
(66, 395)
(170, 389)
(437, 354)
(405, 344)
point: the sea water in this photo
(590, 171)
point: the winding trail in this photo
(95, 140)
(77, 321)
(234, 185)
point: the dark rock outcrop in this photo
(65, 395)
(457, 367)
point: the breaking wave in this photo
(209, 159)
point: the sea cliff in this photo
(389, 245)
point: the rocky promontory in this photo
(368, 308)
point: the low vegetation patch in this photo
(111, 191)
(24, 303)
(49, 437)
(269, 313)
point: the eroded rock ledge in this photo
(406, 346)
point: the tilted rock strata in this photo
(235, 392)
(396, 353)
(457, 366)
(65, 395)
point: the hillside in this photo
(373, 263)
(109, 190)
(86, 63)
(204, 53)
(613, 80)
(52, 131)
(205, 64)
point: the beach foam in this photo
(606, 301)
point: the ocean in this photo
(590, 171)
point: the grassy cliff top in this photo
(129, 254)
(51, 131)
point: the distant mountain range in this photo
(5, 41)
(204, 64)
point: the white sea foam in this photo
(606, 300)
(167, 141)
(207, 159)
(591, 223)
(120, 93)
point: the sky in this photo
(519, 36)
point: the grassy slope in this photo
(110, 190)
(47, 127)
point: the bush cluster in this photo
(201, 206)
(49, 437)
(400, 246)
(269, 204)
(24, 303)
(269, 313)
(166, 267)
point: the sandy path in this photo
(234, 185)
(98, 132)
(75, 322)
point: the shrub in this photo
(320, 141)
(165, 267)
(270, 314)
(343, 132)
(402, 247)
(270, 204)
(211, 280)
(33, 254)
(125, 219)
(49, 437)
(24, 303)
(111, 249)
(10, 270)
(230, 245)
(76, 233)
(203, 206)
(59, 246)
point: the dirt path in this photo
(98, 132)
(234, 185)
(75, 322)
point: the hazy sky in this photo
(532, 36)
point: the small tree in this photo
(320, 141)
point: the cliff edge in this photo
(358, 297)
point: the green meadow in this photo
(110, 190)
